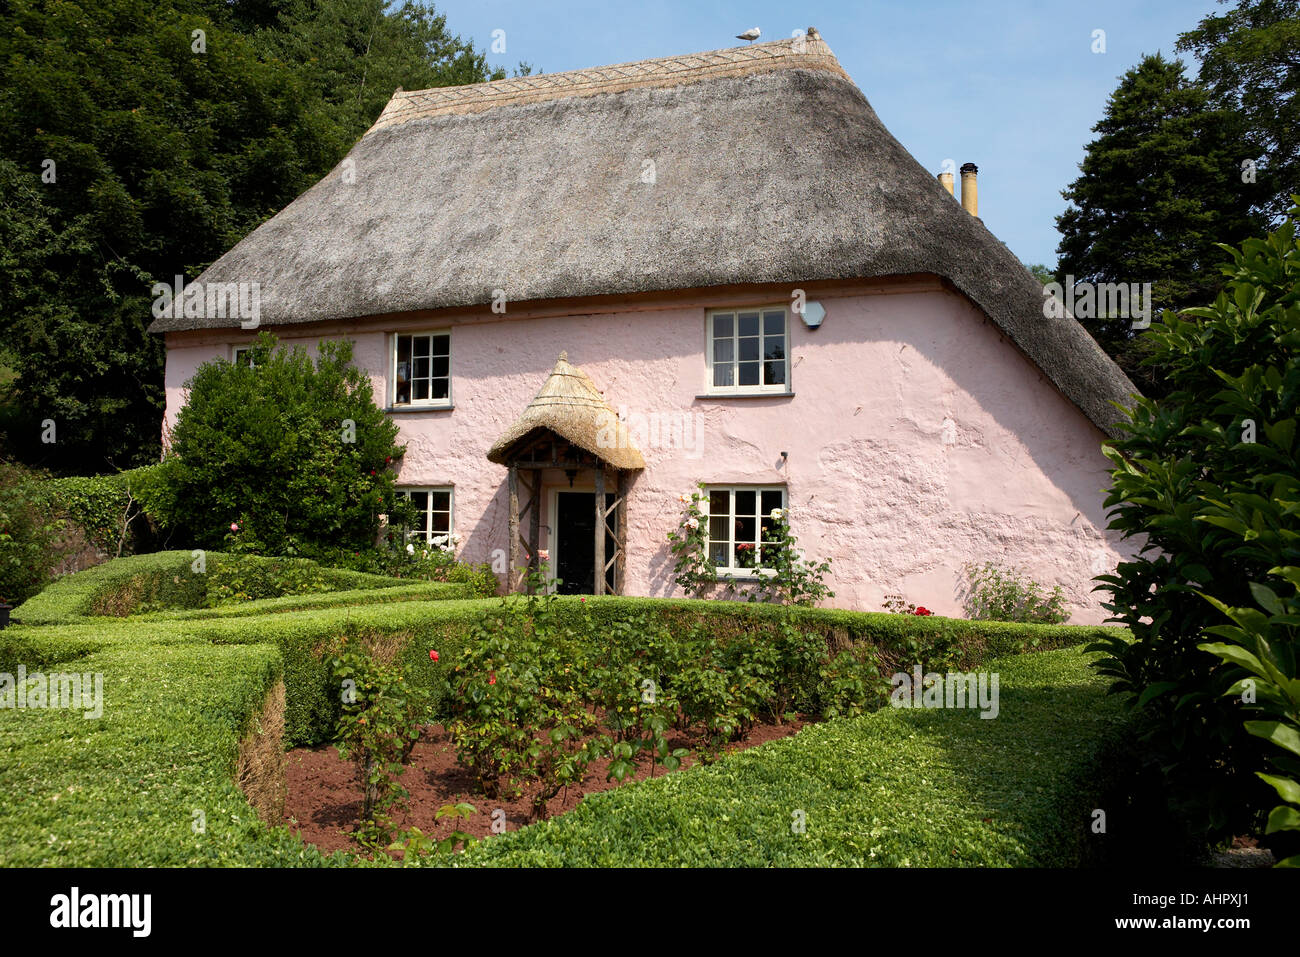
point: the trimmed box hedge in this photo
(166, 579)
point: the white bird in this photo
(751, 34)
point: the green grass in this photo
(182, 686)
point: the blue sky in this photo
(1010, 85)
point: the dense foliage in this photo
(995, 593)
(29, 536)
(1205, 480)
(133, 150)
(283, 454)
(1250, 59)
(1158, 188)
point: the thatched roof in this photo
(770, 166)
(570, 405)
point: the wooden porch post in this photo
(534, 517)
(512, 483)
(600, 529)
(620, 534)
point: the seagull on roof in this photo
(751, 34)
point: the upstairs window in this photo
(421, 369)
(748, 350)
(740, 519)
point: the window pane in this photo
(421, 346)
(440, 388)
(718, 528)
(442, 345)
(749, 323)
(722, 326)
(421, 368)
(774, 323)
(718, 553)
(772, 498)
(724, 374)
(749, 349)
(749, 373)
(774, 373)
(745, 502)
(402, 391)
(439, 522)
(421, 389)
(439, 366)
(442, 500)
(774, 348)
(724, 350)
(720, 502)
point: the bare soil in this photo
(324, 798)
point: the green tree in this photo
(136, 149)
(1205, 483)
(296, 454)
(1250, 59)
(1160, 186)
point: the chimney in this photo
(970, 199)
(945, 180)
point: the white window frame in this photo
(236, 350)
(783, 388)
(392, 372)
(731, 570)
(405, 490)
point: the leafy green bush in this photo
(282, 453)
(994, 593)
(379, 723)
(1204, 479)
(29, 536)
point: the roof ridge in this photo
(802, 52)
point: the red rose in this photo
(433, 656)
(922, 610)
(492, 678)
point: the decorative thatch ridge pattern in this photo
(776, 175)
(570, 405)
(810, 53)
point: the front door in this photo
(575, 543)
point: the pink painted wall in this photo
(918, 439)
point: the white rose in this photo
(777, 514)
(410, 549)
(692, 523)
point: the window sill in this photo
(745, 395)
(403, 409)
(740, 575)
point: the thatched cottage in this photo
(728, 257)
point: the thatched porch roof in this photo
(569, 405)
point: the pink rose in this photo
(234, 527)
